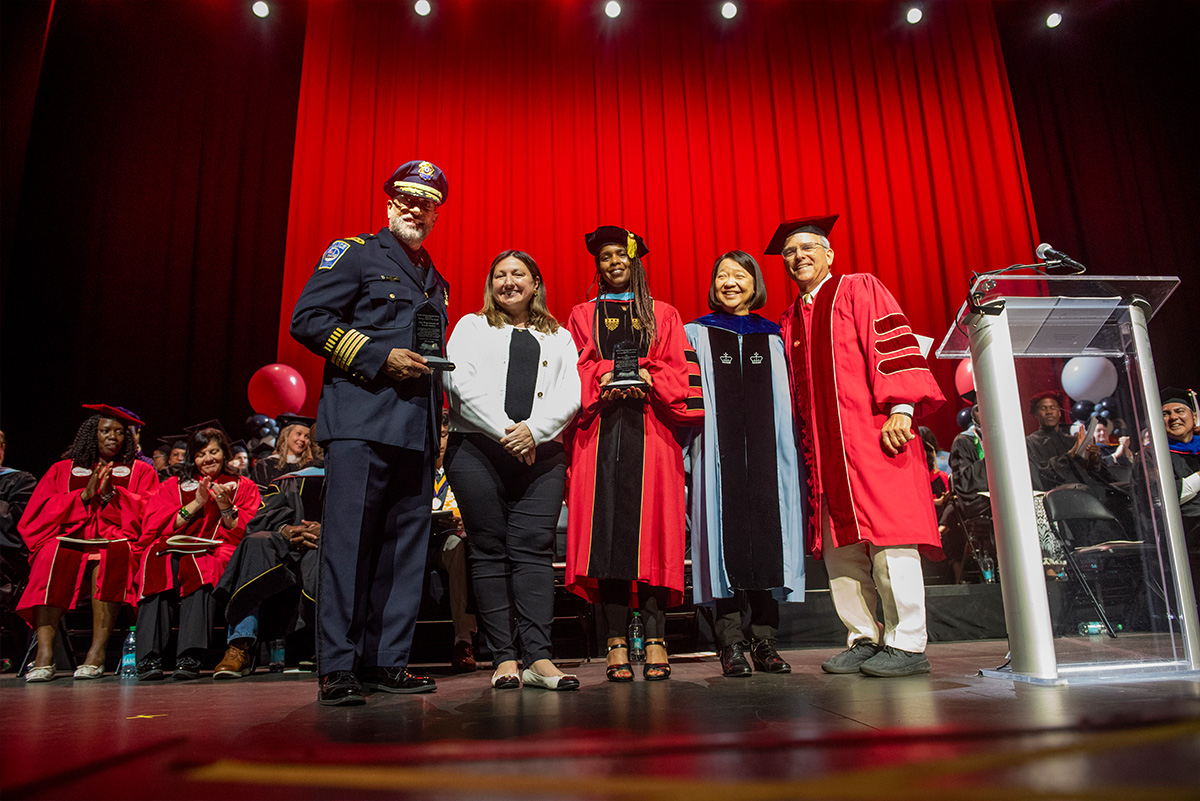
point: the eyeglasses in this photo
(807, 248)
(405, 200)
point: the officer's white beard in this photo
(410, 233)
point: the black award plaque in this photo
(429, 336)
(625, 368)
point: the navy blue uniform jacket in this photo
(356, 307)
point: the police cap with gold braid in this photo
(418, 178)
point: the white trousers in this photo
(861, 573)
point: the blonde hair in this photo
(311, 453)
(540, 318)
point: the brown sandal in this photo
(620, 673)
(656, 671)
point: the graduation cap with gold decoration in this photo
(634, 245)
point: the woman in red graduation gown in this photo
(625, 537)
(97, 493)
(212, 503)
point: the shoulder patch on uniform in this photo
(356, 239)
(334, 253)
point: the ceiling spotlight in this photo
(423, 8)
(914, 15)
(260, 9)
(612, 8)
(729, 10)
(1053, 20)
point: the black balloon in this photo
(964, 418)
(1081, 410)
(1106, 404)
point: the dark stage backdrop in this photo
(700, 134)
(147, 250)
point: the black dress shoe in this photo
(396, 680)
(767, 659)
(150, 670)
(187, 668)
(340, 688)
(733, 661)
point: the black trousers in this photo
(374, 537)
(764, 617)
(509, 511)
(196, 618)
(652, 603)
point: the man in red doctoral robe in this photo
(857, 378)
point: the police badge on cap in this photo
(418, 178)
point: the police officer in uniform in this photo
(378, 423)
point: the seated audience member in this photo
(941, 457)
(211, 505)
(968, 469)
(176, 451)
(97, 494)
(270, 583)
(939, 476)
(294, 449)
(1057, 458)
(16, 486)
(448, 552)
(1179, 415)
(241, 457)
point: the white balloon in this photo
(1089, 378)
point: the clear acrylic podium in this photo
(1055, 317)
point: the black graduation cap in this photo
(173, 441)
(239, 445)
(263, 448)
(634, 245)
(285, 420)
(115, 412)
(1175, 395)
(821, 226)
(207, 424)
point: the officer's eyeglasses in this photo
(403, 201)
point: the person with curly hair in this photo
(192, 527)
(294, 450)
(83, 523)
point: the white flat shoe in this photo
(564, 682)
(89, 672)
(506, 681)
(36, 674)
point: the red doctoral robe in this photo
(641, 531)
(195, 570)
(55, 509)
(851, 357)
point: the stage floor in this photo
(807, 735)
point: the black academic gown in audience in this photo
(266, 572)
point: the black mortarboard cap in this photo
(420, 178)
(1175, 395)
(634, 245)
(285, 420)
(821, 226)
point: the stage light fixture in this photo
(1053, 20)
(729, 10)
(423, 8)
(260, 9)
(612, 8)
(914, 15)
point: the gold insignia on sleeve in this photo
(356, 239)
(348, 348)
(611, 323)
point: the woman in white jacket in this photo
(515, 388)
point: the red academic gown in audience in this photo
(626, 505)
(57, 568)
(851, 357)
(195, 570)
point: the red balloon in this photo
(276, 389)
(964, 377)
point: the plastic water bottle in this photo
(278, 654)
(128, 667)
(1094, 628)
(987, 565)
(637, 639)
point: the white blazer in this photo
(477, 385)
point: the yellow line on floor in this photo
(911, 780)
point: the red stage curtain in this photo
(699, 133)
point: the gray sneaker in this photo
(848, 661)
(891, 662)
